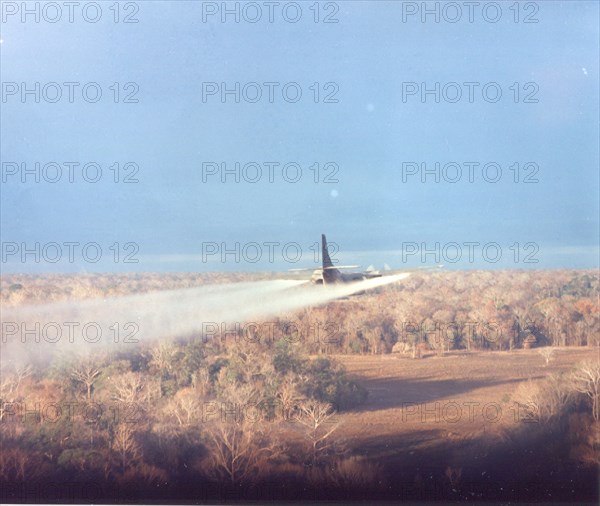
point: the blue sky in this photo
(374, 209)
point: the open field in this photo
(395, 383)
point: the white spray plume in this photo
(32, 333)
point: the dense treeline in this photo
(461, 310)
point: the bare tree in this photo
(586, 379)
(162, 357)
(317, 419)
(238, 438)
(124, 443)
(129, 387)
(237, 447)
(444, 323)
(547, 353)
(185, 406)
(558, 393)
(544, 400)
(288, 395)
(9, 388)
(201, 381)
(86, 374)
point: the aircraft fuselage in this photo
(330, 275)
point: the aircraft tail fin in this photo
(330, 273)
(327, 263)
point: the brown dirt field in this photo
(460, 396)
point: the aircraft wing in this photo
(390, 272)
(324, 268)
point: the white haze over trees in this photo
(42, 332)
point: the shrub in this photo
(327, 382)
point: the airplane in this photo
(331, 274)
